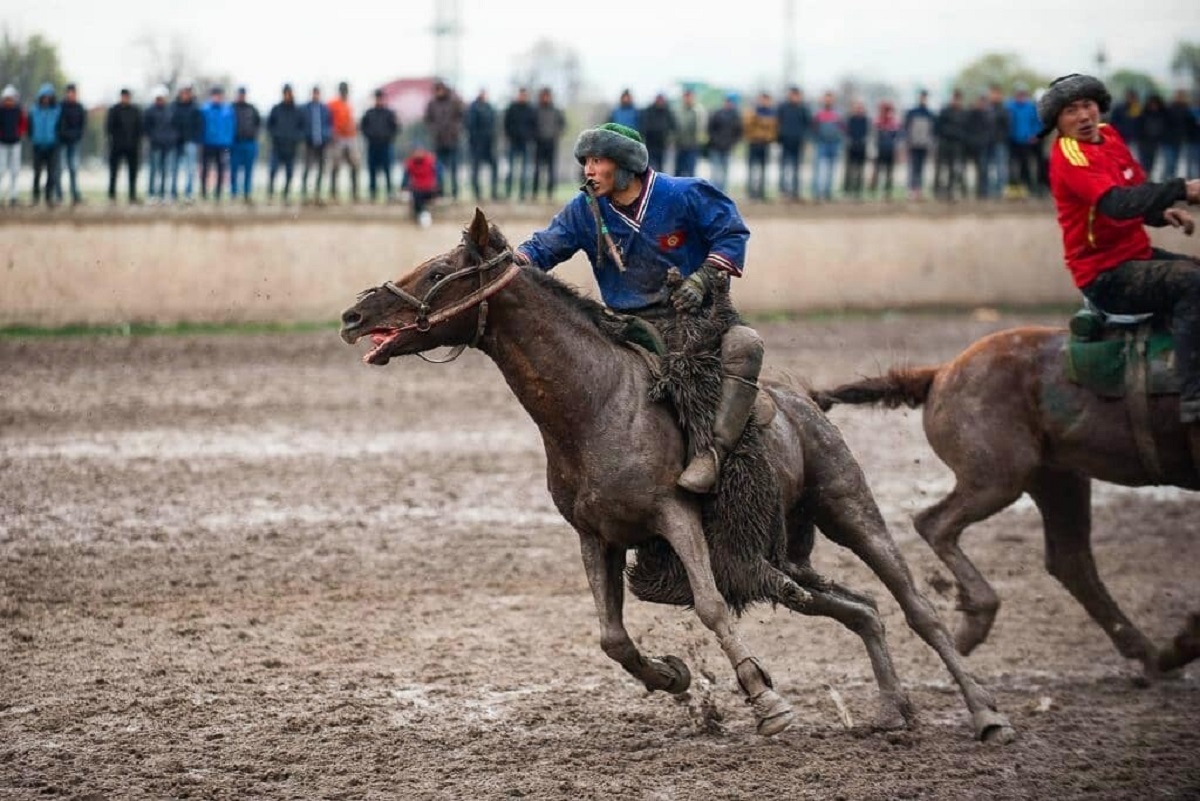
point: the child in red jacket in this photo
(421, 181)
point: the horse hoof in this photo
(774, 714)
(675, 672)
(992, 727)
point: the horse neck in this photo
(562, 369)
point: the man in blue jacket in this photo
(318, 127)
(71, 125)
(218, 140)
(43, 135)
(1023, 142)
(653, 222)
(164, 141)
(189, 124)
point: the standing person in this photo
(918, 139)
(950, 130)
(421, 181)
(1126, 117)
(887, 138)
(520, 128)
(1193, 140)
(1023, 143)
(72, 123)
(761, 128)
(123, 127)
(1179, 132)
(344, 145)
(658, 222)
(318, 130)
(1154, 133)
(13, 125)
(219, 128)
(43, 136)
(977, 142)
(795, 124)
(828, 129)
(444, 119)
(481, 140)
(550, 123)
(625, 112)
(243, 154)
(285, 126)
(691, 124)
(657, 125)
(189, 122)
(1104, 201)
(997, 147)
(858, 130)
(163, 139)
(380, 127)
(724, 131)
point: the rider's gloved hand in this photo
(520, 258)
(690, 295)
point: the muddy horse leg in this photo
(1184, 648)
(683, 531)
(1064, 499)
(605, 568)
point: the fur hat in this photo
(1066, 90)
(620, 143)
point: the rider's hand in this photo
(520, 258)
(1180, 218)
(690, 295)
(1193, 190)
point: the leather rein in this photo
(476, 299)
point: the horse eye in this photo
(435, 277)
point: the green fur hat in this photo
(620, 143)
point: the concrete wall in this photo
(156, 266)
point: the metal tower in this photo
(447, 33)
(789, 44)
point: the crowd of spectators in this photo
(983, 147)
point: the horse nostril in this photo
(351, 319)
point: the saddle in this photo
(1117, 355)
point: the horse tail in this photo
(909, 387)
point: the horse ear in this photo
(479, 232)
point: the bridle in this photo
(476, 299)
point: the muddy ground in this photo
(248, 566)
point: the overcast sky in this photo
(647, 46)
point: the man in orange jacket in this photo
(344, 147)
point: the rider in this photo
(652, 222)
(1103, 201)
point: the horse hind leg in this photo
(1064, 499)
(1185, 648)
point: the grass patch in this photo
(157, 329)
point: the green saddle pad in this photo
(643, 333)
(1098, 360)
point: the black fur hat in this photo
(1066, 90)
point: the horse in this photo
(1006, 419)
(613, 457)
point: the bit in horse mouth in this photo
(381, 337)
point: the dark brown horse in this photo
(613, 457)
(1004, 417)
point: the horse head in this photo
(432, 305)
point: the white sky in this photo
(647, 46)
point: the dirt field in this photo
(251, 567)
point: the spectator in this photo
(657, 127)
(1023, 127)
(887, 137)
(285, 126)
(243, 155)
(421, 181)
(163, 138)
(625, 113)
(918, 139)
(1154, 134)
(481, 139)
(997, 145)
(43, 136)
(1126, 117)
(344, 144)
(691, 123)
(950, 130)
(977, 142)
(520, 128)
(189, 123)
(71, 124)
(828, 128)
(444, 119)
(549, 127)
(761, 127)
(219, 128)
(724, 131)
(318, 131)
(13, 125)
(1179, 132)
(795, 123)
(123, 127)
(858, 130)
(1193, 146)
(380, 127)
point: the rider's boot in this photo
(737, 402)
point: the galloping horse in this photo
(613, 457)
(1006, 420)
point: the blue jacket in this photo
(677, 222)
(1023, 123)
(218, 124)
(43, 120)
(625, 115)
(318, 123)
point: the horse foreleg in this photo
(1064, 499)
(605, 568)
(683, 531)
(1183, 649)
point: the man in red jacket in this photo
(1104, 201)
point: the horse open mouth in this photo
(383, 339)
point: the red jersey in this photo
(1080, 173)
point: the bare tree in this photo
(549, 63)
(168, 63)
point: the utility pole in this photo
(447, 33)
(1101, 61)
(789, 43)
